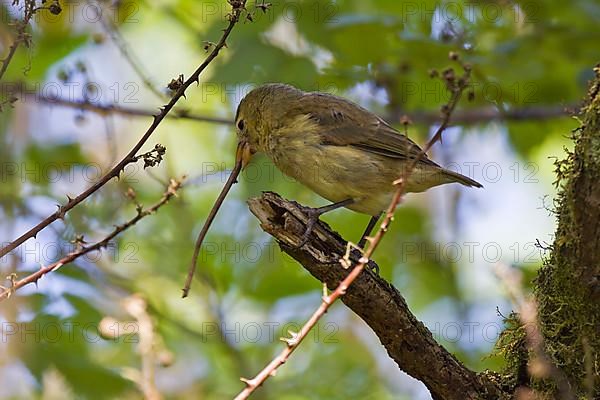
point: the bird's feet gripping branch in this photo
(315, 213)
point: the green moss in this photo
(569, 310)
(512, 346)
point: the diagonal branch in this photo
(408, 342)
(236, 10)
(171, 191)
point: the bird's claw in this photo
(313, 218)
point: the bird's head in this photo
(261, 111)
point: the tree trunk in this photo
(567, 288)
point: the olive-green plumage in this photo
(335, 147)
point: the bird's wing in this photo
(343, 123)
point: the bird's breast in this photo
(334, 172)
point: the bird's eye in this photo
(241, 125)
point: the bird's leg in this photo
(368, 230)
(315, 213)
(363, 239)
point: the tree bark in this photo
(377, 302)
(567, 287)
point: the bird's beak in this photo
(243, 153)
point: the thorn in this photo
(58, 265)
(60, 213)
(208, 45)
(345, 260)
(264, 6)
(293, 340)
(343, 289)
(248, 382)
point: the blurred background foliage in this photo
(80, 332)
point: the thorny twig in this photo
(237, 7)
(456, 86)
(15, 284)
(22, 35)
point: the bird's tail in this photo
(452, 176)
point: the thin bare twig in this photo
(113, 31)
(211, 216)
(472, 116)
(237, 7)
(107, 109)
(492, 113)
(22, 35)
(456, 87)
(171, 191)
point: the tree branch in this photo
(107, 109)
(171, 191)
(22, 35)
(378, 303)
(487, 114)
(470, 116)
(237, 8)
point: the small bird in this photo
(338, 149)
